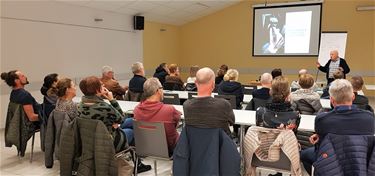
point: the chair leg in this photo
(32, 148)
(155, 168)
(135, 163)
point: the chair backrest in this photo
(255, 103)
(191, 87)
(172, 86)
(248, 89)
(282, 164)
(150, 139)
(170, 98)
(192, 95)
(133, 96)
(230, 98)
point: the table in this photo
(370, 87)
(184, 95)
(326, 103)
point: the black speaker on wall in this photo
(139, 22)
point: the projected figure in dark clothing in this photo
(274, 28)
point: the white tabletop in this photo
(242, 117)
(184, 95)
(370, 87)
(307, 122)
(326, 103)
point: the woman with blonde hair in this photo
(231, 86)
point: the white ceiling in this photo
(175, 12)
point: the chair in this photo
(171, 99)
(151, 141)
(255, 103)
(192, 95)
(18, 129)
(133, 96)
(205, 151)
(87, 149)
(230, 98)
(265, 147)
(190, 87)
(56, 122)
(248, 89)
(282, 165)
(172, 86)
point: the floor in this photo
(11, 164)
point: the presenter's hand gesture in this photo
(317, 64)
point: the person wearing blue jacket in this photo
(344, 119)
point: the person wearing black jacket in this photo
(334, 64)
(161, 72)
(230, 86)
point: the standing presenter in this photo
(335, 63)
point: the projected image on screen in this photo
(287, 30)
(273, 25)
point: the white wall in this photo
(42, 37)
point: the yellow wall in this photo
(226, 37)
(160, 45)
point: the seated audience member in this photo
(264, 92)
(231, 86)
(17, 80)
(161, 72)
(190, 83)
(305, 100)
(359, 100)
(174, 78)
(66, 91)
(338, 74)
(278, 113)
(220, 74)
(206, 111)
(112, 84)
(192, 73)
(295, 85)
(152, 109)
(136, 83)
(276, 72)
(93, 106)
(344, 119)
(49, 92)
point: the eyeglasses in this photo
(161, 88)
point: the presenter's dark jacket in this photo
(343, 65)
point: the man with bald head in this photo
(264, 92)
(206, 111)
(334, 64)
